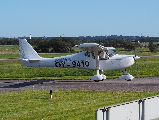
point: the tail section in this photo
(27, 53)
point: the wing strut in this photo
(97, 57)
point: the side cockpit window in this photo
(87, 54)
(90, 54)
(103, 55)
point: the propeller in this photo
(135, 61)
(136, 58)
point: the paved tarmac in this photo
(150, 84)
(5, 60)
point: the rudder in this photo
(27, 51)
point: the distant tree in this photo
(69, 41)
(7, 41)
(152, 47)
(35, 41)
(58, 45)
(150, 39)
(43, 46)
(136, 45)
(128, 46)
(112, 43)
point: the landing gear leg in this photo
(104, 77)
(127, 77)
(98, 77)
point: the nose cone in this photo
(136, 57)
(127, 62)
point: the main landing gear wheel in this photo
(96, 80)
(98, 77)
(129, 80)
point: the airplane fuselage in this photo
(83, 61)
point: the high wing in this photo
(91, 46)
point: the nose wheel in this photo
(127, 77)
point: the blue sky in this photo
(79, 18)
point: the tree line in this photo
(65, 44)
(57, 45)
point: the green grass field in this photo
(140, 52)
(65, 105)
(9, 48)
(146, 67)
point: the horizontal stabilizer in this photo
(31, 60)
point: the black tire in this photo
(96, 80)
(129, 80)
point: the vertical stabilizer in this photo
(26, 51)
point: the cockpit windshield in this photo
(110, 53)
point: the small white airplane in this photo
(93, 56)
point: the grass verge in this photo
(65, 105)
